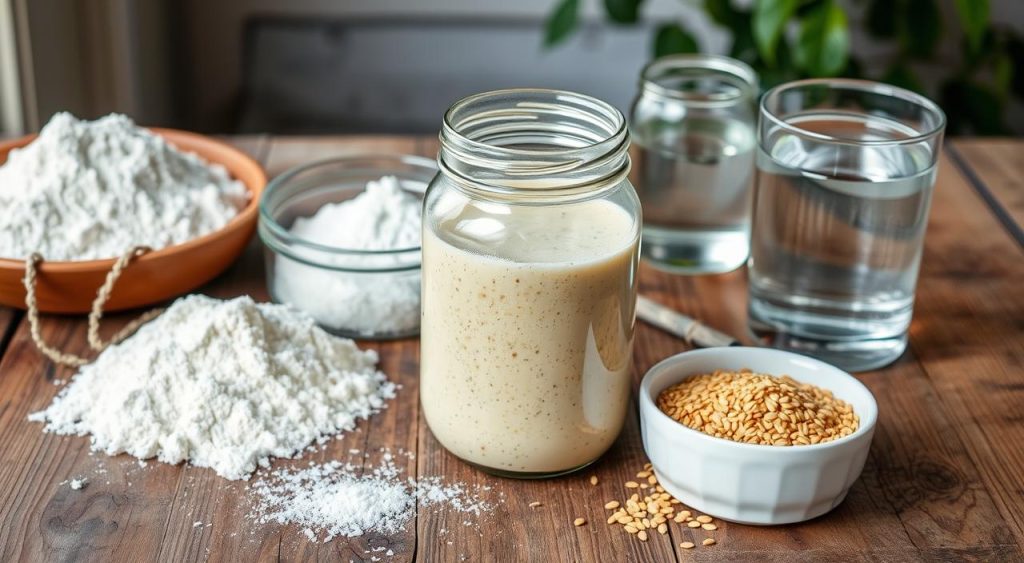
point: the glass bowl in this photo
(365, 294)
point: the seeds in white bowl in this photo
(756, 408)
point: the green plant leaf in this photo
(991, 45)
(881, 17)
(623, 11)
(743, 47)
(724, 14)
(901, 75)
(769, 21)
(1002, 74)
(672, 39)
(974, 18)
(784, 71)
(922, 27)
(562, 22)
(972, 108)
(823, 45)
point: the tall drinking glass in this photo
(845, 172)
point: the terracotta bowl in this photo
(70, 287)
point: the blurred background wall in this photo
(330, 66)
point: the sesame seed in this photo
(647, 512)
(758, 408)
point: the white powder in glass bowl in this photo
(383, 217)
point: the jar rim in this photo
(744, 78)
(509, 141)
(614, 116)
(857, 86)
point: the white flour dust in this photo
(86, 190)
(220, 384)
(384, 217)
(335, 499)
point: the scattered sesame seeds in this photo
(651, 510)
(534, 504)
(593, 479)
(709, 541)
(579, 521)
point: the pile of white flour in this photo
(334, 499)
(384, 217)
(220, 384)
(88, 190)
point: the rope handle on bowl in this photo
(95, 315)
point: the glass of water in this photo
(693, 135)
(845, 172)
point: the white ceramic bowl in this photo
(750, 483)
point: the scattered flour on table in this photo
(77, 484)
(86, 190)
(220, 384)
(384, 217)
(335, 499)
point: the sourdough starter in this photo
(527, 333)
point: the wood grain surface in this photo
(997, 165)
(944, 480)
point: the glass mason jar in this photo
(531, 235)
(693, 134)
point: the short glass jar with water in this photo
(845, 172)
(693, 136)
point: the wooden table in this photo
(944, 481)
